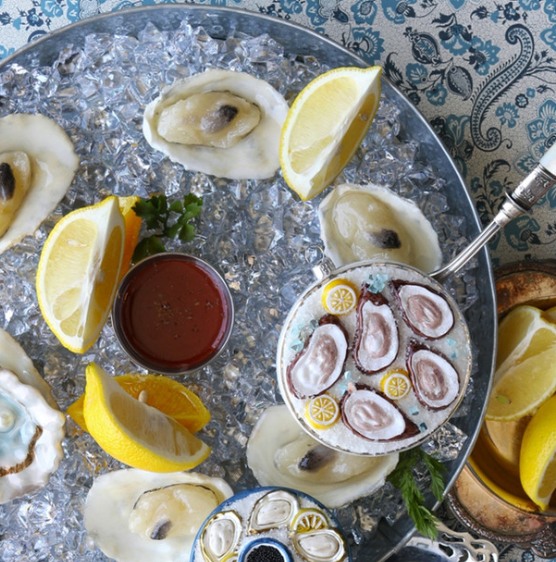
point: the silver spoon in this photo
(519, 201)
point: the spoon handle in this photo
(519, 201)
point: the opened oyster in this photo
(37, 165)
(31, 434)
(13, 358)
(280, 453)
(219, 122)
(136, 515)
(364, 222)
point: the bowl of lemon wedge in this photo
(506, 490)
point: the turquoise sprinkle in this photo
(414, 411)
(377, 282)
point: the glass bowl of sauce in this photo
(173, 313)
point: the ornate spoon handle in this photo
(519, 201)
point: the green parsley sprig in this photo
(402, 477)
(166, 219)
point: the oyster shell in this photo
(376, 339)
(360, 222)
(425, 311)
(31, 434)
(14, 359)
(275, 509)
(281, 454)
(220, 536)
(435, 380)
(320, 363)
(135, 515)
(219, 122)
(372, 416)
(37, 166)
(319, 545)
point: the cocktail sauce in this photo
(173, 313)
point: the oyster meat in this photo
(37, 166)
(377, 340)
(425, 311)
(320, 363)
(359, 222)
(31, 434)
(219, 122)
(135, 515)
(435, 380)
(281, 454)
(371, 415)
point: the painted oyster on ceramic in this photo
(13, 358)
(271, 524)
(219, 122)
(31, 434)
(321, 361)
(132, 514)
(281, 454)
(360, 222)
(37, 165)
(406, 370)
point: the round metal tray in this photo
(220, 23)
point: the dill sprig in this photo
(402, 477)
(166, 219)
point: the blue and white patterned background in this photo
(482, 72)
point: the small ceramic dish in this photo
(487, 497)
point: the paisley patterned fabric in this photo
(482, 72)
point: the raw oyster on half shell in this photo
(135, 515)
(435, 380)
(320, 363)
(37, 166)
(219, 122)
(31, 434)
(360, 222)
(282, 454)
(376, 339)
(369, 414)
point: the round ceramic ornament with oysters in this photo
(375, 357)
(380, 373)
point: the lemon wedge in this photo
(515, 332)
(524, 387)
(163, 393)
(325, 125)
(537, 464)
(78, 271)
(132, 228)
(133, 432)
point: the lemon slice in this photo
(78, 272)
(309, 519)
(395, 384)
(322, 412)
(524, 387)
(163, 393)
(132, 228)
(133, 432)
(325, 125)
(537, 465)
(339, 296)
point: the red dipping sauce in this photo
(173, 313)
